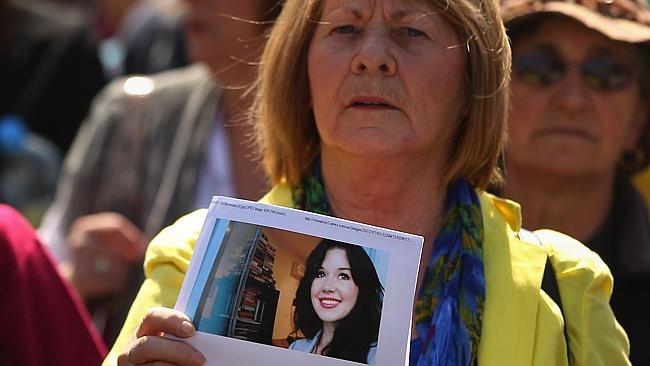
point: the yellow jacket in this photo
(521, 324)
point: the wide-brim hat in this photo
(620, 20)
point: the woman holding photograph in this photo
(393, 113)
(338, 303)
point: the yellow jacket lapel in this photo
(513, 273)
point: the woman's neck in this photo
(326, 336)
(574, 205)
(400, 194)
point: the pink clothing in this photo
(43, 321)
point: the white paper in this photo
(221, 261)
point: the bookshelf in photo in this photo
(239, 298)
(258, 300)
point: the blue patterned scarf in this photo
(449, 306)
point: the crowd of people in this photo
(513, 135)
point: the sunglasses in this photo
(544, 67)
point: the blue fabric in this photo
(308, 345)
(449, 307)
(416, 349)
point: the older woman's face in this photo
(574, 122)
(386, 78)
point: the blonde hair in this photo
(285, 128)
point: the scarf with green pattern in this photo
(449, 305)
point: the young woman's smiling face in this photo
(333, 291)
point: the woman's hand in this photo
(150, 348)
(103, 247)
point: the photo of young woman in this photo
(338, 303)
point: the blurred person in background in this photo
(155, 40)
(50, 72)
(138, 36)
(43, 321)
(49, 68)
(578, 131)
(153, 149)
(135, 36)
(29, 169)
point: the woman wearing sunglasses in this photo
(393, 113)
(578, 131)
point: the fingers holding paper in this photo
(149, 347)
